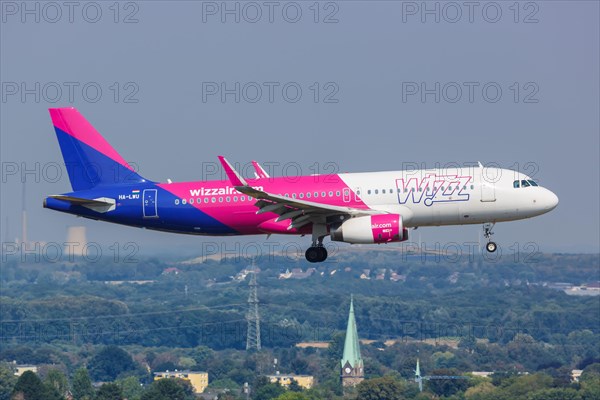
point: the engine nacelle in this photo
(380, 228)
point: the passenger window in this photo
(191, 201)
(376, 191)
(220, 199)
(213, 200)
(323, 194)
(242, 198)
(228, 199)
(293, 195)
(176, 202)
(330, 194)
(308, 195)
(524, 183)
(206, 199)
(183, 201)
(301, 195)
(337, 193)
(316, 194)
(234, 198)
(383, 191)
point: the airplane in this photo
(357, 208)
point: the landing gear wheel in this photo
(316, 254)
(323, 251)
(487, 233)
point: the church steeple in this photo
(352, 363)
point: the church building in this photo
(352, 364)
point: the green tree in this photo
(590, 382)
(555, 394)
(292, 396)
(480, 391)
(168, 389)
(82, 385)
(7, 381)
(295, 386)
(263, 389)
(131, 387)
(109, 391)
(336, 347)
(447, 387)
(30, 387)
(202, 353)
(57, 380)
(385, 388)
(521, 386)
(110, 362)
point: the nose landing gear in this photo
(487, 233)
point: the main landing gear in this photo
(317, 252)
(487, 233)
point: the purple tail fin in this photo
(90, 160)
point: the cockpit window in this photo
(524, 183)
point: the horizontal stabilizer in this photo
(102, 204)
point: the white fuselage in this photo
(452, 196)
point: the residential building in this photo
(198, 380)
(306, 381)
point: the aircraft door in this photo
(150, 204)
(357, 194)
(488, 189)
(346, 193)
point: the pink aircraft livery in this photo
(367, 207)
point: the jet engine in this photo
(379, 228)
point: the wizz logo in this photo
(433, 189)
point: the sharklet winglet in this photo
(235, 178)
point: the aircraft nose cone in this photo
(550, 200)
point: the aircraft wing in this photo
(300, 212)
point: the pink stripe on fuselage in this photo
(241, 215)
(70, 121)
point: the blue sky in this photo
(341, 83)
